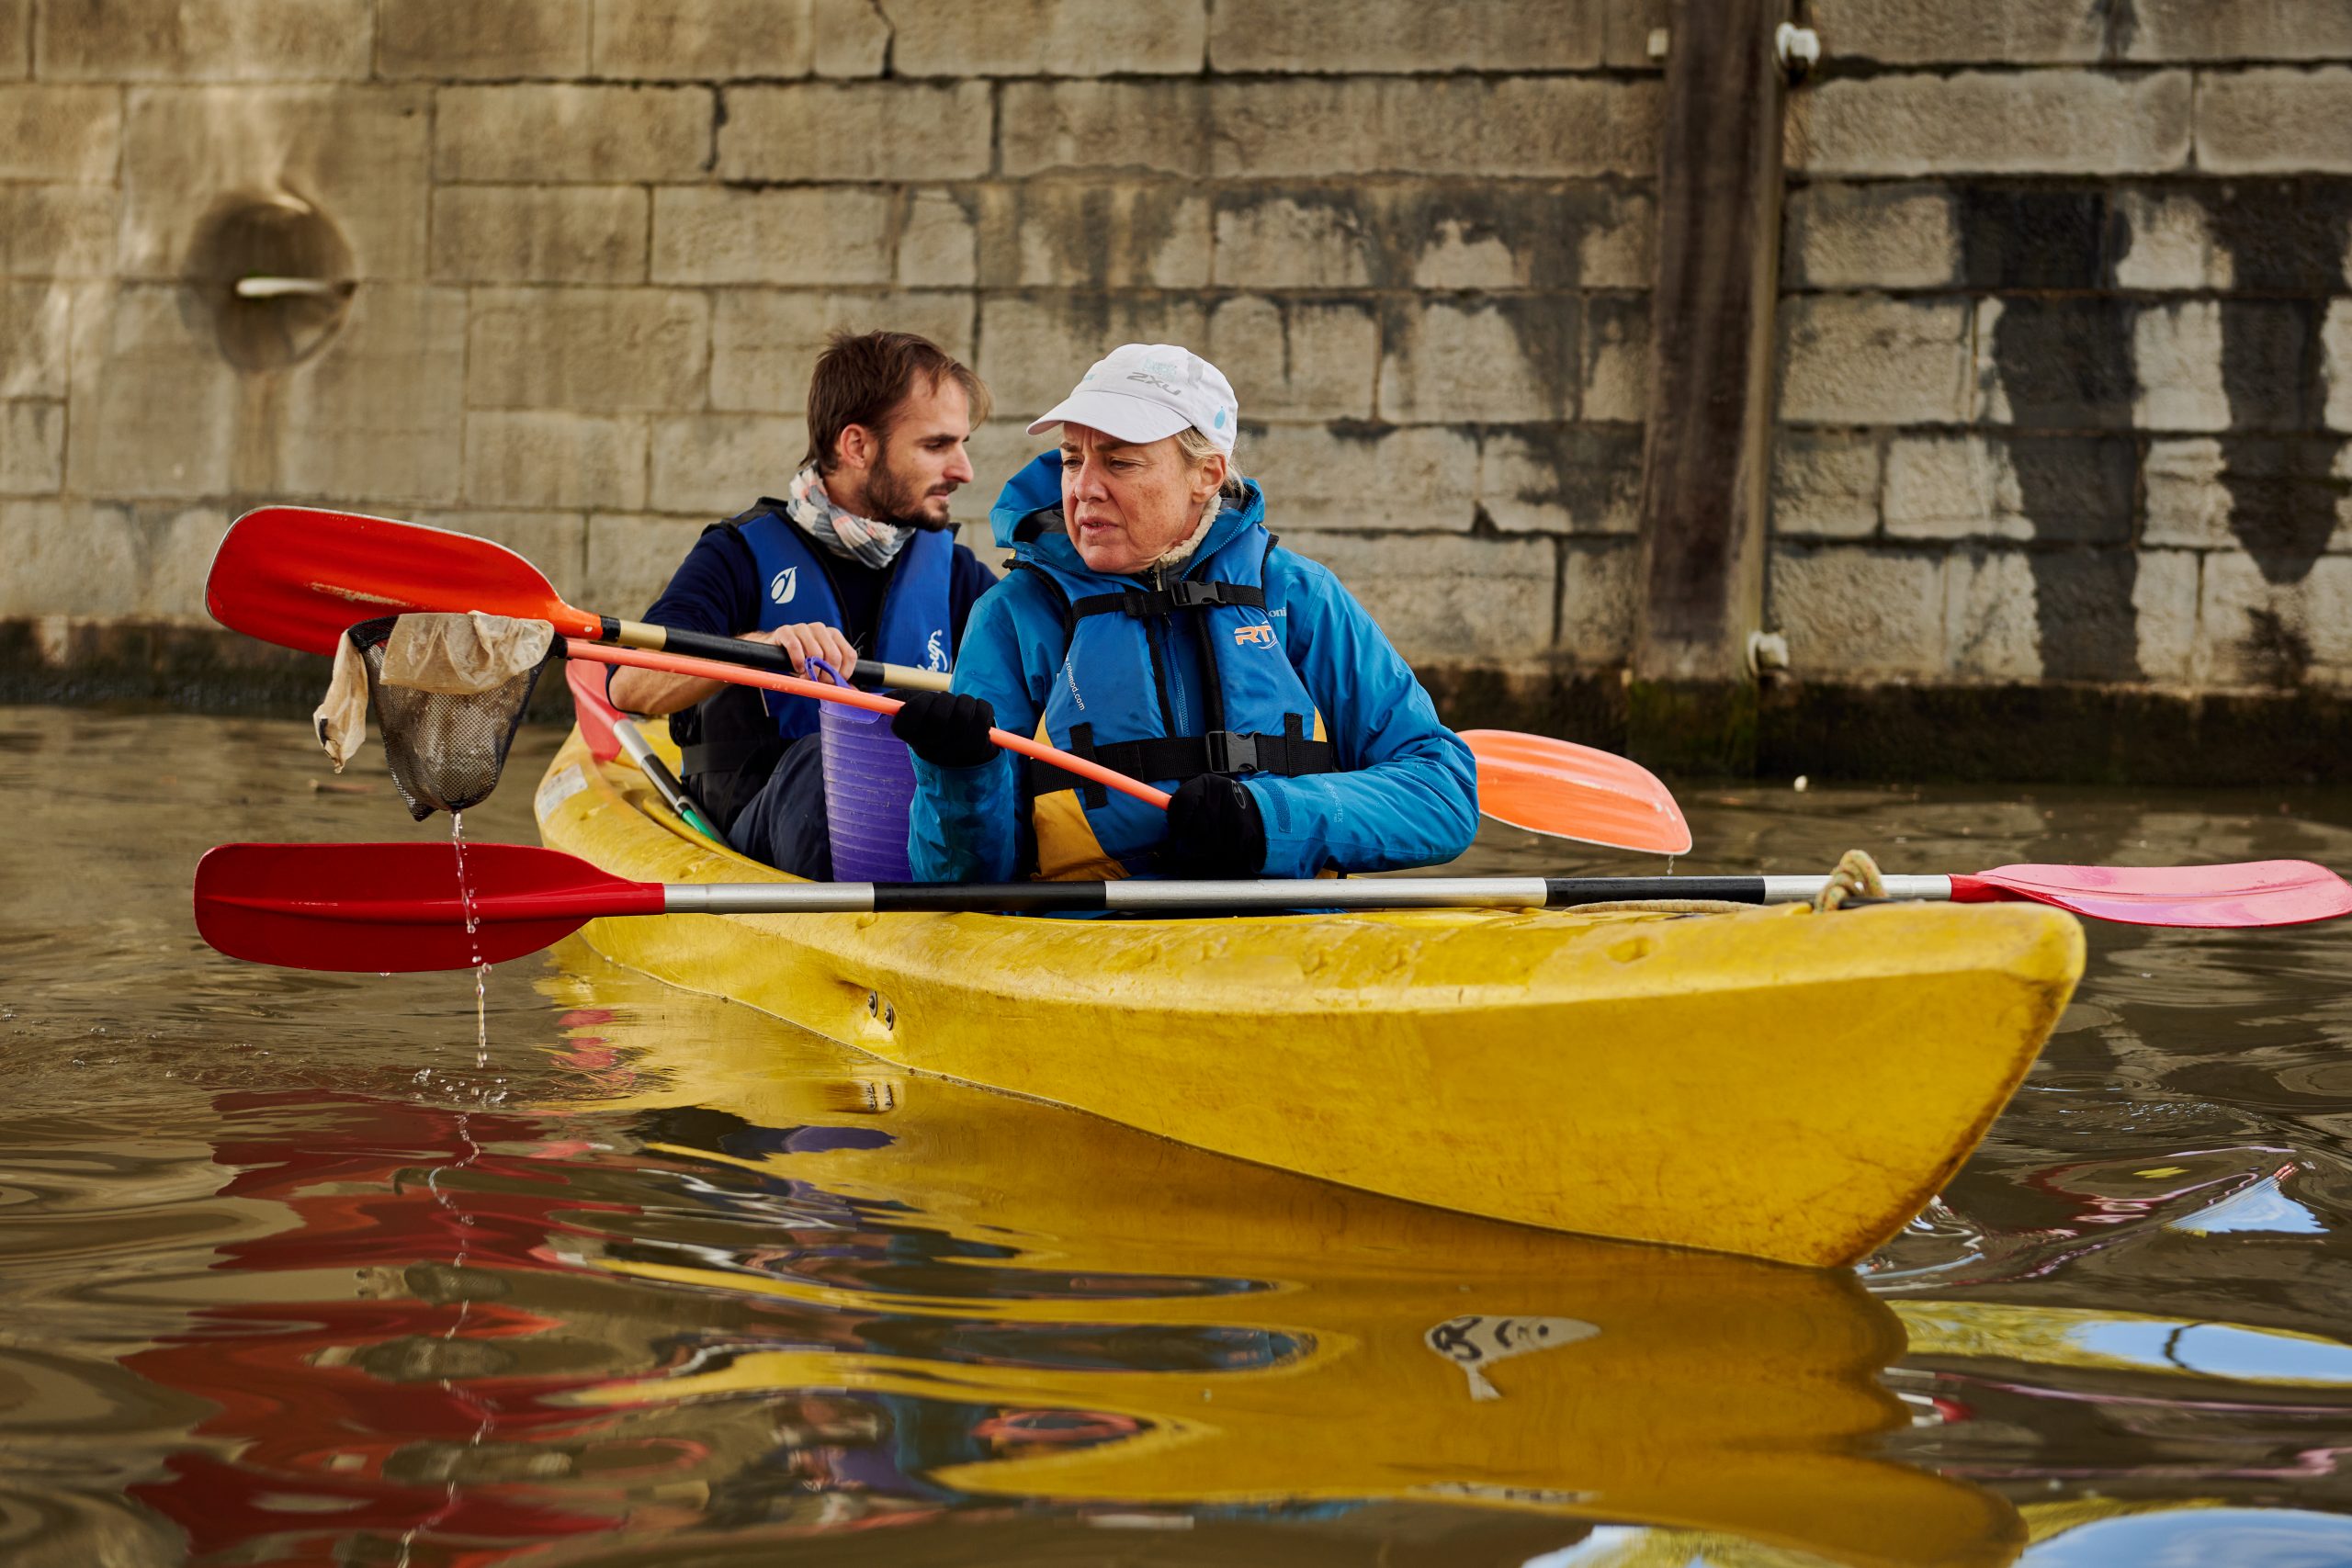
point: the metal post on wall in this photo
(1706, 447)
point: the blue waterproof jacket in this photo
(1406, 792)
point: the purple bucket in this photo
(869, 779)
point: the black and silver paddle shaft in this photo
(1139, 897)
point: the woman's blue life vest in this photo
(1114, 701)
(743, 731)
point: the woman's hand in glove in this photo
(946, 729)
(1215, 830)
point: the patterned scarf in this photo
(845, 534)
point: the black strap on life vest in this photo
(1183, 594)
(1184, 757)
(1178, 757)
(733, 754)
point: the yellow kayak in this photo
(1777, 1083)
(1130, 1322)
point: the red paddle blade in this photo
(592, 709)
(400, 906)
(2253, 893)
(1567, 791)
(298, 575)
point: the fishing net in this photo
(447, 693)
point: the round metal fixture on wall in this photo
(275, 273)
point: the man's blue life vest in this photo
(745, 731)
(1112, 701)
(914, 626)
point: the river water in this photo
(292, 1272)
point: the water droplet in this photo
(473, 928)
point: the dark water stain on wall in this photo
(2286, 240)
(1594, 472)
(2080, 488)
(1098, 235)
(1544, 227)
(2062, 347)
(1547, 329)
(2118, 24)
(1384, 235)
(2033, 238)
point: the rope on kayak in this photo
(1857, 876)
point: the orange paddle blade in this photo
(1567, 791)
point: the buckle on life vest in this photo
(1190, 593)
(1231, 753)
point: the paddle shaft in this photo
(1137, 895)
(616, 897)
(665, 783)
(764, 656)
(709, 670)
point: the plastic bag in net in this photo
(449, 692)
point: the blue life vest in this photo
(1113, 702)
(915, 625)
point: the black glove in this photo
(947, 730)
(1213, 828)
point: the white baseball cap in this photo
(1145, 391)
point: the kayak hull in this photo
(1776, 1083)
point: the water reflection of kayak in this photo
(1774, 1083)
(1131, 1322)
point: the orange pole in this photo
(849, 696)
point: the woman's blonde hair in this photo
(1198, 449)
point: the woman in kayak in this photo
(1155, 627)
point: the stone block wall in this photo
(2066, 339)
(595, 246)
(2065, 372)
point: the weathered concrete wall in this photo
(2066, 381)
(2065, 378)
(597, 242)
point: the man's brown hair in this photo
(861, 378)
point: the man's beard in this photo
(897, 499)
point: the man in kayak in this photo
(1155, 627)
(858, 559)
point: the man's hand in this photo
(1214, 829)
(660, 692)
(946, 729)
(811, 639)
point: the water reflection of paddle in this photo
(1171, 1329)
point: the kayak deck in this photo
(1778, 1083)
